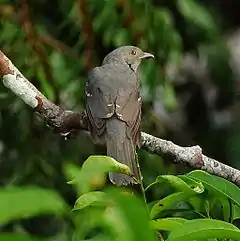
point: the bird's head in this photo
(130, 55)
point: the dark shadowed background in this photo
(190, 90)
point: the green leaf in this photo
(87, 220)
(71, 170)
(219, 186)
(235, 212)
(167, 224)
(185, 187)
(204, 229)
(99, 237)
(99, 164)
(16, 203)
(225, 204)
(180, 183)
(128, 218)
(16, 237)
(169, 201)
(196, 186)
(196, 201)
(93, 170)
(91, 199)
(196, 14)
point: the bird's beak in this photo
(146, 55)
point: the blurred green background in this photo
(190, 90)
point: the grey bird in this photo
(113, 106)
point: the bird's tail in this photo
(121, 148)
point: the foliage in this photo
(117, 214)
(54, 43)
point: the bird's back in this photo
(116, 76)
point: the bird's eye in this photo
(134, 52)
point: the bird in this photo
(113, 107)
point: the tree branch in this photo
(65, 121)
(191, 156)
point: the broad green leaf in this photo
(207, 207)
(218, 185)
(93, 172)
(180, 184)
(17, 203)
(235, 211)
(71, 171)
(99, 164)
(197, 186)
(16, 237)
(169, 201)
(91, 199)
(86, 220)
(98, 238)
(167, 224)
(225, 204)
(128, 218)
(195, 201)
(204, 229)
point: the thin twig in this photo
(63, 121)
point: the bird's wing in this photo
(128, 106)
(99, 101)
